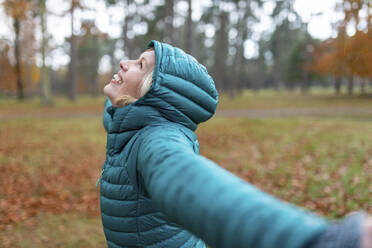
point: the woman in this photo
(156, 191)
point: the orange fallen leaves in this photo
(63, 182)
(297, 170)
(51, 172)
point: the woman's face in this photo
(128, 80)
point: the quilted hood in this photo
(182, 91)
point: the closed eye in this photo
(141, 64)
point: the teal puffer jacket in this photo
(157, 191)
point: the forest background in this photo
(294, 115)
(223, 35)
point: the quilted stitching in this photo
(125, 208)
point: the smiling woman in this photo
(132, 81)
(157, 191)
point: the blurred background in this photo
(294, 118)
(55, 47)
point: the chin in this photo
(107, 90)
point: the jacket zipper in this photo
(99, 178)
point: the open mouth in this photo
(117, 79)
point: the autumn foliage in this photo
(7, 72)
(51, 159)
(45, 176)
(18, 69)
(348, 55)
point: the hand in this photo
(367, 233)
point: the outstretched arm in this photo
(214, 204)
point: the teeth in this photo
(117, 78)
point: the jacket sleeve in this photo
(214, 204)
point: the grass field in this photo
(50, 158)
(294, 100)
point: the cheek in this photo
(134, 79)
(132, 84)
(123, 90)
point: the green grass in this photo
(322, 164)
(269, 99)
(261, 100)
(50, 158)
(67, 230)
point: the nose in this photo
(124, 65)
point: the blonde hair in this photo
(125, 100)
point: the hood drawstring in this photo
(100, 176)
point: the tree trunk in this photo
(28, 79)
(338, 82)
(241, 84)
(17, 52)
(350, 85)
(189, 47)
(128, 51)
(306, 83)
(46, 98)
(73, 57)
(221, 52)
(95, 85)
(169, 17)
(239, 56)
(363, 84)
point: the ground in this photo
(312, 150)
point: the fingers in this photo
(367, 233)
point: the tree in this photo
(326, 60)
(46, 98)
(127, 25)
(90, 52)
(131, 17)
(168, 20)
(221, 47)
(298, 72)
(72, 74)
(17, 10)
(281, 39)
(347, 56)
(189, 34)
(7, 71)
(28, 54)
(246, 17)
